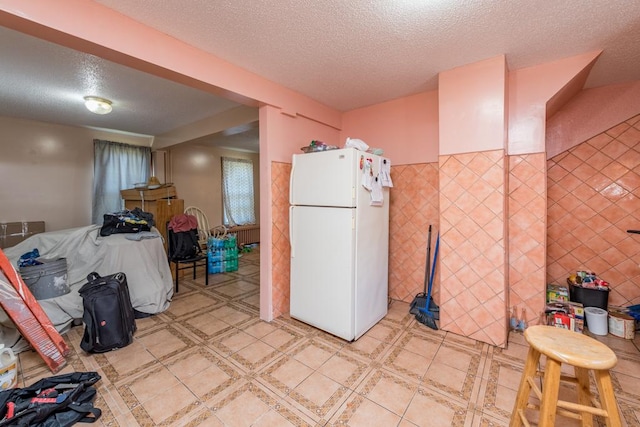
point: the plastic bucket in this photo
(597, 320)
(47, 280)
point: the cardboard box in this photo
(568, 315)
(562, 320)
(557, 293)
(167, 192)
(12, 233)
(621, 325)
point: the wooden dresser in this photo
(161, 202)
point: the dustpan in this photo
(424, 315)
(421, 299)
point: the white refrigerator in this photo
(339, 241)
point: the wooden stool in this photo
(584, 353)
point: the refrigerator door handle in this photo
(293, 167)
(293, 252)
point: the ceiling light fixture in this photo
(97, 105)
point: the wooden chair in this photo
(204, 231)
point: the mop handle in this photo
(428, 267)
(435, 257)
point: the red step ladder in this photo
(33, 323)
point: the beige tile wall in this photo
(593, 198)
(527, 234)
(414, 205)
(576, 207)
(280, 247)
(473, 292)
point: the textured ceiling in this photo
(349, 54)
(345, 54)
(47, 82)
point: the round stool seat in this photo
(570, 347)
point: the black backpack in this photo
(109, 319)
(58, 401)
(183, 244)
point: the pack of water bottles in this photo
(222, 254)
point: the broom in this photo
(425, 316)
(420, 300)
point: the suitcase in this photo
(108, 314)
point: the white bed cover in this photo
(144, 262)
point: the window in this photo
(237, 191)
(116, 166)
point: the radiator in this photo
(246, 234)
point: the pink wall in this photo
(281, 135)
(473, 264)
(414, 205)
(296, 132)
(473, 176)
(280, 243)
(406, 128)
(591, 112)
(527, 247)
(475, 95)
(534, 94)
(594, 198)
(530, 90)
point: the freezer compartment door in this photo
(322, 268)
(327, 178)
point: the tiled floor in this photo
(210, 361)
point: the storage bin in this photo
(596, 320)
(47, 280)
(589, 297)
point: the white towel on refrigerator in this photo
(385, 173)
(377, 196)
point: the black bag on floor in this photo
(109, 320)
(58, 401)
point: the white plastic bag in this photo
(357, 144)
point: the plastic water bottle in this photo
(8, 368)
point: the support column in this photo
(473, 201)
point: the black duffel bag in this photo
(57, 401)
(126, 222)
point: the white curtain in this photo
(237, 191)
(116, 166)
